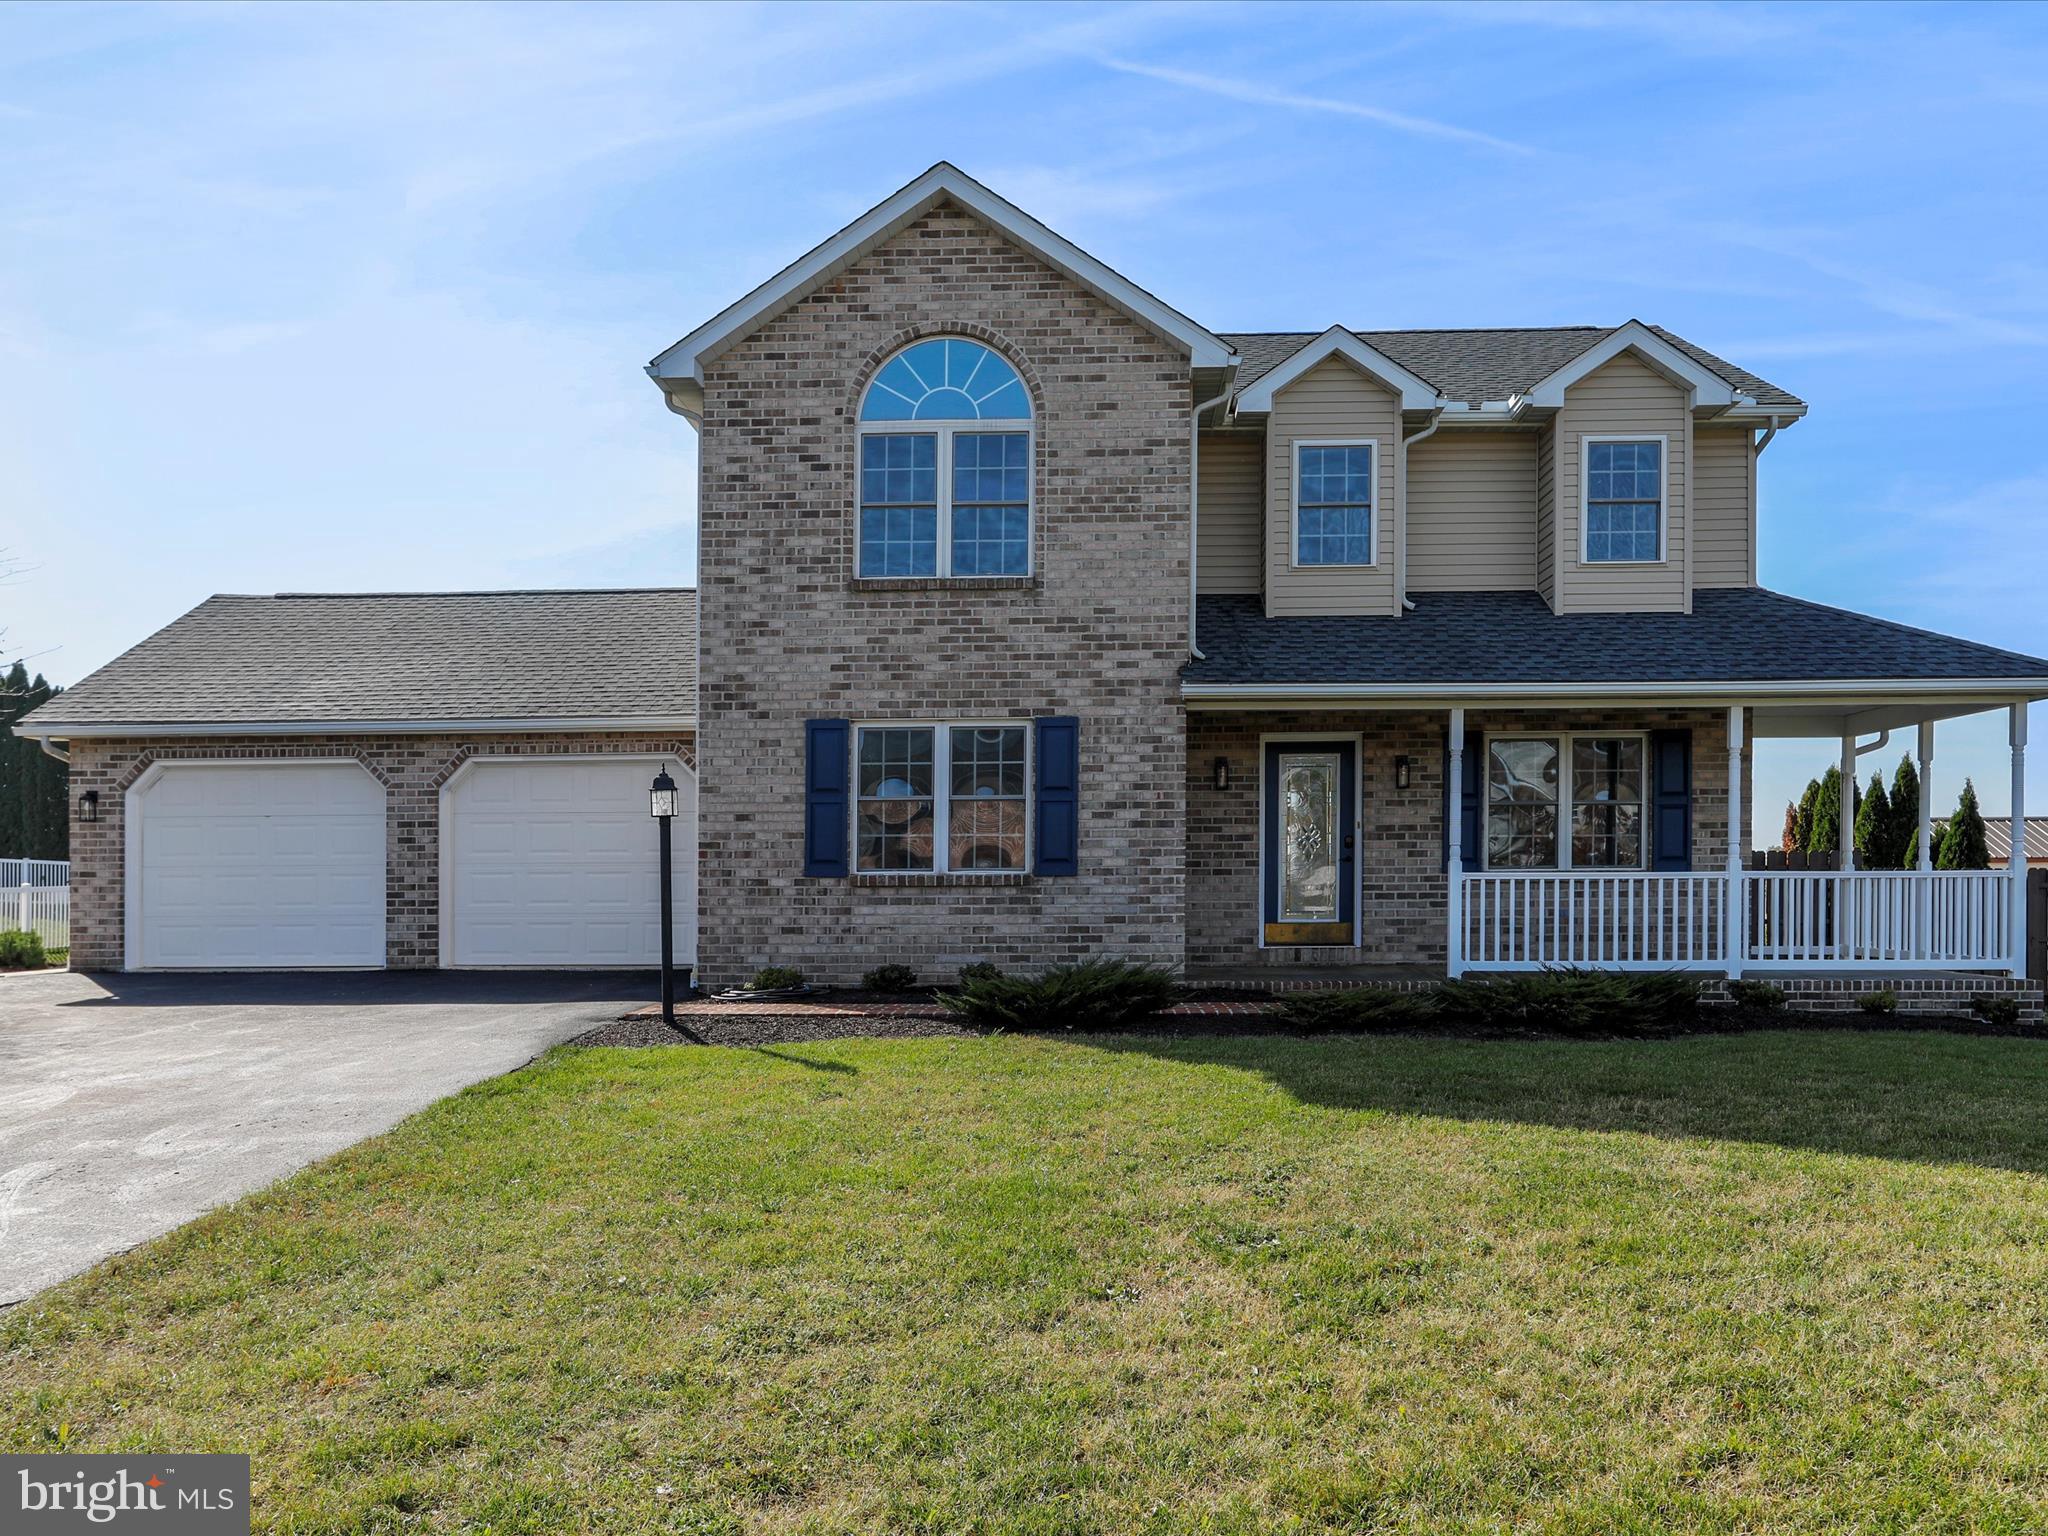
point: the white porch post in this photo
(1454, 870)
(1923, 903)
(2016, 859)
(1735, 920)
(1845, 854)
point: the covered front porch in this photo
(1525, 832)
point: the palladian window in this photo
(945, 464)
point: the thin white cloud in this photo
(1266, 96)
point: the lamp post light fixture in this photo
(89, 805)
(662, 803)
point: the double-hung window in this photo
(1565, 802)
(945, 464)
(939, 798)
(1333, 503)
(1624, 513)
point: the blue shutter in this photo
(1470, 822)
(1671, 800)
(827, 763)
(1059, 796)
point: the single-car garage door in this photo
(256, 864)
(554, 861)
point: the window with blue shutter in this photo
(827, 759)
(1059, 796)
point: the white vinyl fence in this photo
(35, 894)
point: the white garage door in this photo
(256, 864)
(554, 861)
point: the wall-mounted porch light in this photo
(1401, 769)
(1223, 773)
(89, 805)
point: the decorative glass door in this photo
(1311, 864)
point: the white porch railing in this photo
(1526, 920)
(35, 894)
(1911, 919)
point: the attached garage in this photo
(408, 780)
(245, 864)
(550, 861)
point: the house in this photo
(1038, 621)
(1998, 839)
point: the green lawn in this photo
(1765, 1283)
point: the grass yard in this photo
(1762, 1283)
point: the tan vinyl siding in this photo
(1472, 512)
(1330, 401)
(1624, 398)
(1724, 521)
(1546, 515)
(1233, 512)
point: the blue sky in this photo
(324, 298)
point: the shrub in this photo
(21, 950)
(1884, 1000)
(979, 970)
(1356, 1010)
(1996, 1008)
(776, 978)
(1096, 995)
(1573, 1002)
(1756, 994)
(890, 978)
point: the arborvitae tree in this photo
(1874, 827)
(1807, 801)
(1790, 839)
(34, 820)
(1962, 840)
(1906, 815)
(1825, 834)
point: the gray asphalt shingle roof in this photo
(1478, 366)
(1732, 634)
(401, 656)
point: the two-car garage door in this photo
(544, 862)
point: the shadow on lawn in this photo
(1918, 1097)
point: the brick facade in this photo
(1401, 833)
(412, 770)
(1099, 631)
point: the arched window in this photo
(945, 464)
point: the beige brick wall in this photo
(1401, 831)
(411, 768)
(788, 633)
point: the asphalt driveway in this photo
(130, 1104)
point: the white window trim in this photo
(942, 795)
(1663, 442)
(1294, 447)
(1563, 741)
(943, 455)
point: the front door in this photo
(1311, 842)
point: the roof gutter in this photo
(1725, 690)
(1195, 508)
(71, 731)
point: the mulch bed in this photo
(1212, 1012)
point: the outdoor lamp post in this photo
(662, 806)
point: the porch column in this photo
(2016, 859)
(1735, 916)
(1923, 902)
(1454, 866)
(1845, 854)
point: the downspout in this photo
(1195, 509)
(1401, 508)
(1878, 745)
(50, 749)
(1765, 441)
